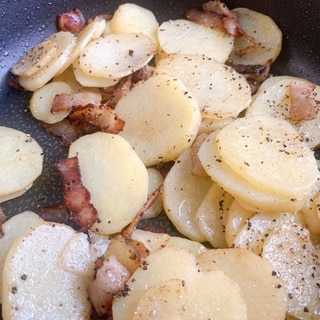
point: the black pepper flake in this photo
(24, 277)
(14, 290)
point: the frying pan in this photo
(25, 23)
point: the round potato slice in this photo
(33, 282)
(269, 153)
(21, 162)
(187, 37)
(161, 117)
(115, 177)
(266, 34)
(117, 55)
(66, 42)
(221, 91)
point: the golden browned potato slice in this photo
(21, 161)
(262, 291)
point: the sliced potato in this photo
(221, 92)
(21, 162)
(151, 240)
(115, 177)
(66, 42)
(41, 102)
(36, 59)
(13, 229)
(130, 17)
(187, 37)
(182, 195)
(117, 55)
(269, 153)
(266, 33)
(208, 125)
(33, 282)
(292, 255)
(251, 197)
(193, 247)
(273, 98)
(211, 215)
(161, 117)
(261, 289)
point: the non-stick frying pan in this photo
(25, 23)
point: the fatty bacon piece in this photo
(91, 118)
(304, 106)
(72, 21)
(76, 196)
(111, 277)
(216, 14)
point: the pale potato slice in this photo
(36, 59)
(208, 125)
(151, 240)
(155, 181)
(160, 266)
(89, 80)
(161, 117)
(273, 98)
(237, 216)
(115, 177)
(117, 55)
(193, 247)
(251, 197)
(266, 33)
(221, 91)
(261, 289)
(269, 154)
(66, 42)
(257, 229)
(292, 255)
(211, 215)
(182, 195)
(21, 162)
(187, 37)
(42, 99)
(130, 17)
(33, 282)
(13, 229)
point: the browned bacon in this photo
(304, 106)
(72, 20)
(76, 196)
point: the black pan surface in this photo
(25, 23)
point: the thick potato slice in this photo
(193, 247)
(208, 125)
(115, 177)
(269, 153)
(221, 92)
(182, 195)
(66, 42)
(33, 282)
(21, 161)
(132, 18)
(187, 37)
(36, 59)
(211, 215)
(273, 98)
(41, 102)
(161, 117)
(13, 229)
(266, 33)
(292, 255)
(262, 290)
(251, 197)
(117, 55)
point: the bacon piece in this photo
(91, 118)
(63, 130)
(65, 101)
(111, 278)
(304, 106)
(76, 196)
(72, 20)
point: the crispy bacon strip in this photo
(76, 196)
(72, 20)
(304, 106)
(91, 118)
